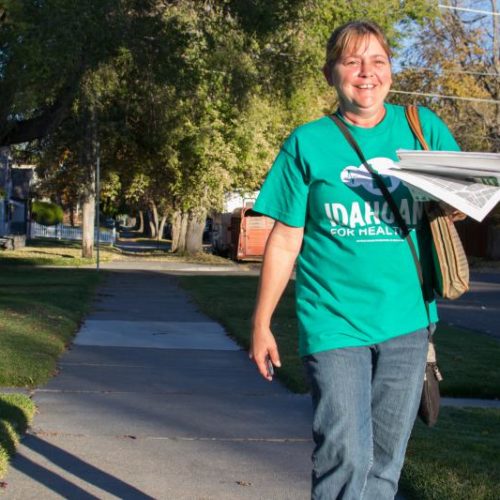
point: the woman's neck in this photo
(367, 121)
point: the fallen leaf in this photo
(244, 483)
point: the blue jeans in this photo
(365, 401)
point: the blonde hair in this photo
(353, 32)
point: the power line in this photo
(464, 9)
(453, 97)
(461, 72)
(484, 137)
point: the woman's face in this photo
(362, 77)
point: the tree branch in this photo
(15, 132)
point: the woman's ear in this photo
(327, 71)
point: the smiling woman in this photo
(363, 323)
(359, 68)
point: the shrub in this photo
(46, 213)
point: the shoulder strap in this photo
(411, 113)
(388, 197)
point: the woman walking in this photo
(363, 323)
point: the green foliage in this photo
(47, 47)
(195, 100)
(46, 213)
(110, 192)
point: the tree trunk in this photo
(162, 227)
(152, 229)
(194, 234)
(140, 229)
(147, 224)
(176, 231)
(89, 157)
(179, 228)
(88, 217)
(154, 221)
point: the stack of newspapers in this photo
(469, 182)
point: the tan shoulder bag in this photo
(451, 270)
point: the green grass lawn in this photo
(457, 459)
(16, 413)
(40, 310)
(52, 252)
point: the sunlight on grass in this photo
(43, 252)
(64, 253)
(40, 311)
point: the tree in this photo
(198, 99)
(92, 119)
(247, 73)
(46, 49)
(189, 106)
(67, 169)
(458, 54)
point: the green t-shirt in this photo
(356, 280)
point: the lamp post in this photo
(97, 203)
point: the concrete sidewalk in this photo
(153, 400)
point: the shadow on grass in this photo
(23, 262)
(51, 254)
(17, 418)
(51, 242)
(74, 466)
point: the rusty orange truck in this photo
(241, 234)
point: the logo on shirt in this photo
(355, 177)
(371, 220)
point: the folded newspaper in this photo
(469, 182)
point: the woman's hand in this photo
(264, 351)
(282, 248)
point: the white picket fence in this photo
(61, 232)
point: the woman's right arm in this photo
(282, 248)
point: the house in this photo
(15, 183)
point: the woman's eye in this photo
(380, 62)
(351, 62)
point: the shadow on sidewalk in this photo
(76, 467)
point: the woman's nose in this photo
(366, 68)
